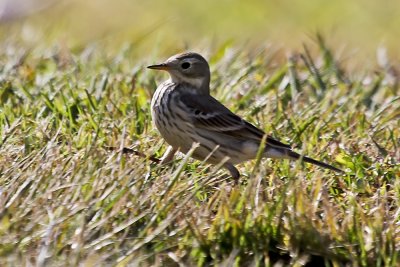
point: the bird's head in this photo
(189, 68)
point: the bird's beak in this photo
(162, 66)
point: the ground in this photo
(69, 196)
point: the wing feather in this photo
(207, 113)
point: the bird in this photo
(185, 113)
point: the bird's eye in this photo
(185, 65)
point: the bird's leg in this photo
(168, 155)
(233, 171)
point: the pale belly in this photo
(175, 133)
(178, 131)
(182, 136)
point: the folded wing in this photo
(207, 113)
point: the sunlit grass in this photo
(66, 200)
(356, 28)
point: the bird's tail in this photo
(293, 155)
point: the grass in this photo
(67, 200)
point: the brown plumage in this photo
(185, 113)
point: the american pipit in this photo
(185, 113)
